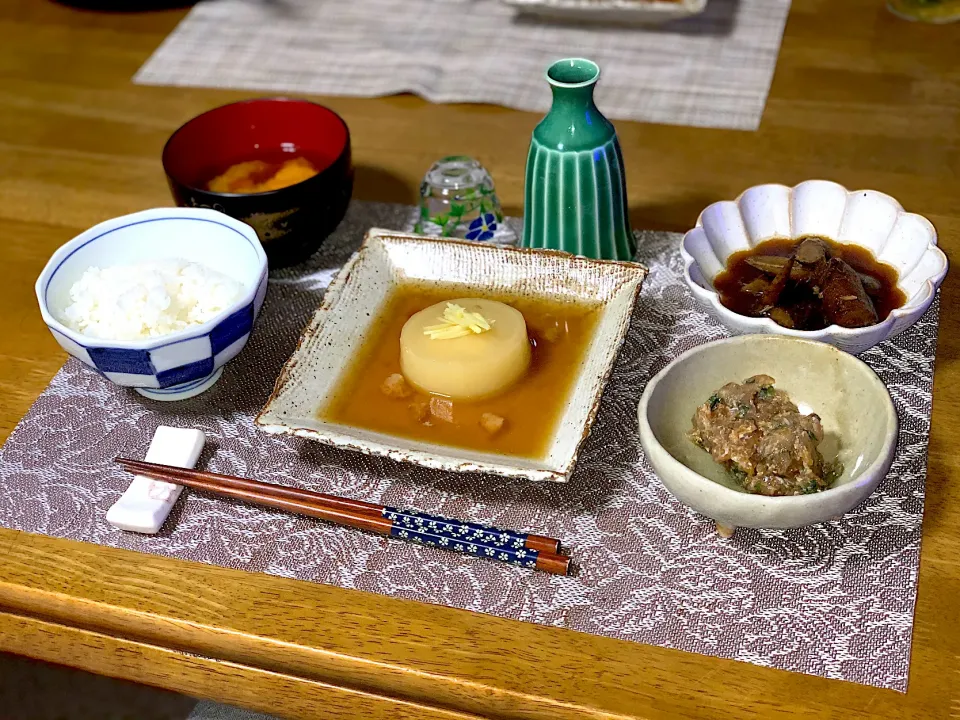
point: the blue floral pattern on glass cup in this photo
(482, 228)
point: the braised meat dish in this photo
(810, 284)
(759, 435)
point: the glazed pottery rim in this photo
(585, 65)
(252, 101)
(711, 486)
(945, 20)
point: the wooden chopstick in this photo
(540, 543)
(482, 541)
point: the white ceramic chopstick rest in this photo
(147, 502)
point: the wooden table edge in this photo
(113, 601)
(196, 675)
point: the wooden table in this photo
(858, 97)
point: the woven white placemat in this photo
(711, 70)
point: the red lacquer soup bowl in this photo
(293, 221)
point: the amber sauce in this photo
(531, 407)
(729, 283)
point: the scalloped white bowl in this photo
(867, 218)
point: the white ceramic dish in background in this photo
(358, 294)
(182, 364)
(859, 422)
(620, 12)
(867, 218)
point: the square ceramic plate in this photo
(631, 12)
(387, 260)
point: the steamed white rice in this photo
(132, 302)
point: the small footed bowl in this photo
(859, 422)
(181, 364)
(906, 241)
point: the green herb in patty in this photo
(810, 488)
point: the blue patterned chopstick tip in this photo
(465, 537)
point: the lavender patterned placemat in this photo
(835, 600)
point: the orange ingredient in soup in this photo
(518, 422)
(254, 176)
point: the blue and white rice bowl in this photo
(177, 365)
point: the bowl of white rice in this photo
(158, 300)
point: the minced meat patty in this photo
(759, 435)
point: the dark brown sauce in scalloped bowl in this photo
(802, 303)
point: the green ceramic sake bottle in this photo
(575, 196)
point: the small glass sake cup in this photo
(458, 200)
